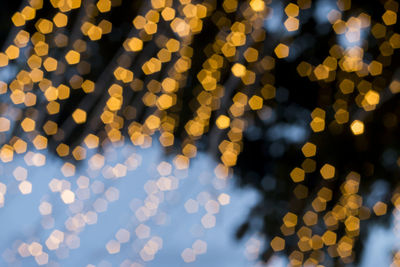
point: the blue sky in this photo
(22, 221)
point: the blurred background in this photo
(200, 133)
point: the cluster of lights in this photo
(235, 78)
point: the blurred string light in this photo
(138, 98)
